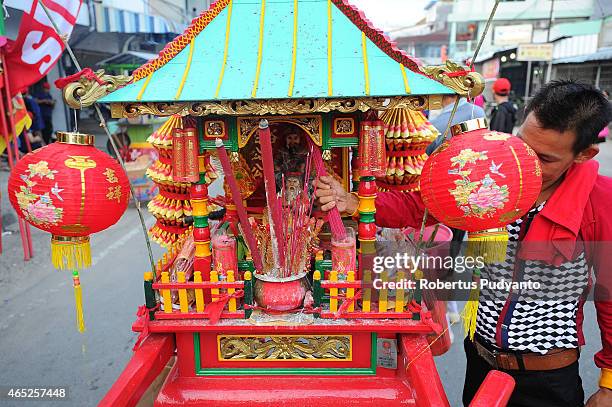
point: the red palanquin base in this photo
(201, 376)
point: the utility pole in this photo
(2, 29)
(550, 20)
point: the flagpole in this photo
(24, 227)
(5, 129)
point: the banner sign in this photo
(38, 46)
(535, 52)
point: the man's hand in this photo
(601, 398)
(331, 193)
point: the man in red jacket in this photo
(564, 238)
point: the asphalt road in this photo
(40, 346)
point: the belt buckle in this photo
(489, 356)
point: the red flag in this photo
(38, 45)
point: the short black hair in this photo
(564, 105)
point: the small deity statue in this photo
(290, 161)
(293, 185)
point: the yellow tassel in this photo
(490, 244)
(78, 300)
(470, 312)
(70, 252)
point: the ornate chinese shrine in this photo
(277, 94)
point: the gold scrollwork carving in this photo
(271, 348)
(471, 83)
(274, 107)
(86, 91)
(311, 124)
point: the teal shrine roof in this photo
(278, 49)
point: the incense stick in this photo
(270, 186)
(240, 209)
(334, 218)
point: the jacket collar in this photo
(554, 231)
(566, 205)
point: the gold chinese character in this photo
(110, 176)
(114, 193)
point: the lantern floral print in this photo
(39, 209)
(481, 197)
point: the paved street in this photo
(39, 345)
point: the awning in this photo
(484, 56)
(25, 6)
(128, 59)
(602, 54)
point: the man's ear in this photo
(587, 154)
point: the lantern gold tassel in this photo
(490, 245)
(70, 252)
(78, 300)
(470, 312)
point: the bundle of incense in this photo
(184, 259)
(262, 234)
(236, 197)
(335, 221)
(298, 227)
(302, 231)
(278, 239)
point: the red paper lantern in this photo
(71, 190)
(480, 179)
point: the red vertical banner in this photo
(372, 148)
(192, 151)
(38, 46)
(178, 155)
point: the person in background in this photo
(46, 103)
(465, 111)
(503, 117)
(34, 134)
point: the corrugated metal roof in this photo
(602, 54)
(258, 49)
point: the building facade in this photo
(516, 21)
(575, 28)
(428, 39)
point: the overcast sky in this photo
(392, 14)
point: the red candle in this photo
(224, 253)
(344, 253)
